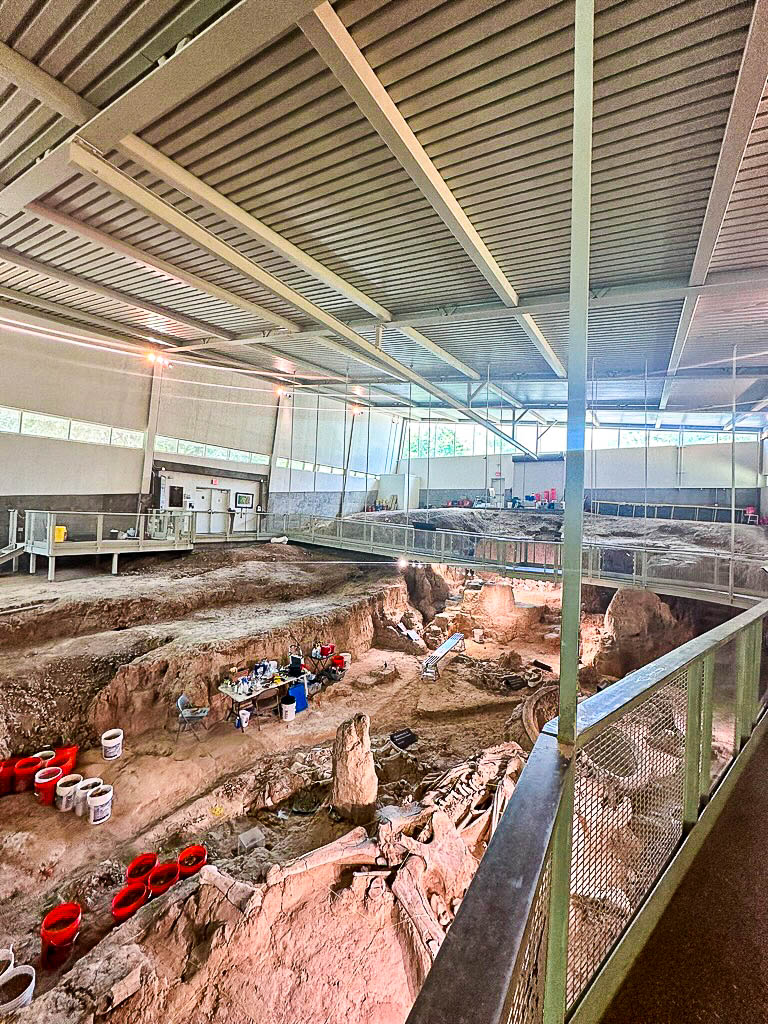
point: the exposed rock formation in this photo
(429, 587)
(345, 933)
(72, 667)
(353, 795)
(638, 628)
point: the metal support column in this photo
(708, 686)
(693, 739)
(555, 991)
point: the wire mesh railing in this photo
(652, 753)
(647, 565)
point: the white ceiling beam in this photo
(17, 259)
(327, 33)
(59, 309)
(155, 263)
(53, 324)
(222, 47)
(750, 86)
(174, 174)
(31, 79)
(90, 163)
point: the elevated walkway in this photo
(706, 959)
(62, 534)
(693, 573)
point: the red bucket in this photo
(55, 954)
(128, 900)
(139, 868)
(24, 773)
(162, 877)
(71, 755)
(45, 784)
(62, 924)
(60, 761)
(6, 774)
(191, 860)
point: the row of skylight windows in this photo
(178, 446)
(38, 424)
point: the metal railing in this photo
(666, 510)
(64, 533)
(594, 841)
(690, 571)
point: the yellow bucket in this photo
(59, 534)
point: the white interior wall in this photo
(222, 407)
(68, 380)
(315, 429)
(700, 465)
(39, 465)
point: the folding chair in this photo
(189, 717)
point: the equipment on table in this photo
(327, 665)
(430, 667)
(190, 717)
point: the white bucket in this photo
(25, 997)
(100, 805)
(288, 710)
(65, 792)
(81, 794)
(245, 717)
(347, 659)
(7, 958)
(111, 744)
(45, 756)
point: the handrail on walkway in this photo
(619, 818)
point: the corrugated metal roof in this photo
(722, 322)
(486, 87)
(97, 48)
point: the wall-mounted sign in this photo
(243, 500)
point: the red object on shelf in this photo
(128, 900)
(191, 860)
(6, 774)
(71, 755)
(326, 650)
(139, 868)
(24, 773)
(162, 877)
(45, 784)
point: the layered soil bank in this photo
(109, 651)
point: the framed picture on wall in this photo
(243, 500)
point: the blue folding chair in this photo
(189, 716)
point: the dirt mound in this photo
(638, 628)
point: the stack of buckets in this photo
(51, 774)
(59, 932)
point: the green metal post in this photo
(708, 685)
(753, 677)
(758, 665)
(556, 978)
(740, 699)
(555, 991)
(693, 737)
